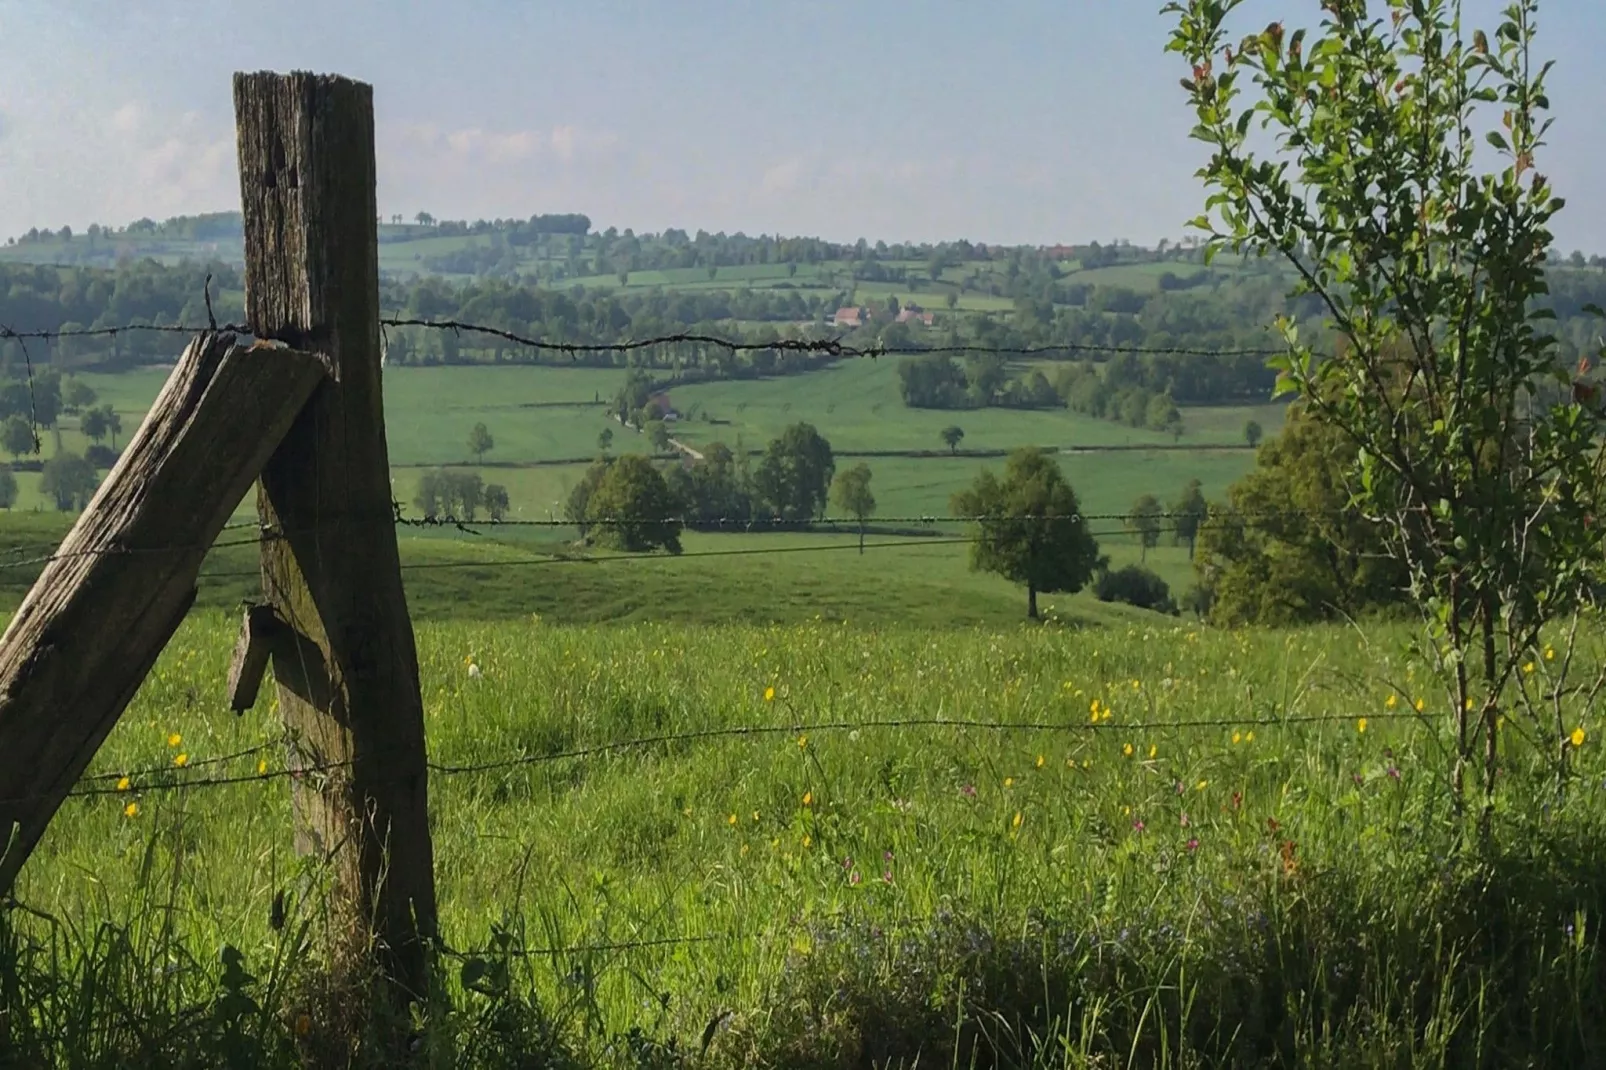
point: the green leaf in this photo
(1498, 140)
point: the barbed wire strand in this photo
(831, 347)
(166, 779)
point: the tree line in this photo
(1126, 390)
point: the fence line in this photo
(135, 782)
(836, 526)
(832, 347)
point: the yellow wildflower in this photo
(174, 740)
(731, 820)
(1126, 751)
(1420, 705)
(755, 817)
(808, 798)
(1360, 726)
(1528, 667)
(1040, 761)
(1550, 653)
(131, 810)
(1237, 738)
(1153, 750)
(802, 741)
(122, 784)
(1577, 738)
(181, 760)
(1016, 823)
(807, 839)
(1391, 702)
(769, 694)
(262, 767)
(1009, 782)
(1467, 705)
(1203, 784)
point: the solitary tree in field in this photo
(93, 425)
(68, 480)
(1188, 515)
(1392, 167)
(1029, 527)
(952, 436)
(17, 436)
(1144, 521)
(1253, 433)
(605, 441)
(480, 441)
(77, 395)
(851, 494)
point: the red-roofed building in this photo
(851, 317)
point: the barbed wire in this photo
(174, 778)
(831, 347)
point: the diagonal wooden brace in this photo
(298, 662)
(116, 590)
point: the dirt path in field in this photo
(675, 442)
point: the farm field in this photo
(825, 881)
(541, 414)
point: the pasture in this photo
(541, 414)
(1147, 850)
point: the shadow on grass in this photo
(1493, 964)
(1467, 964)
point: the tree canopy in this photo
(794, 477)
(1030, 528)
(851, 494)
(632, 508)
(1287, 547)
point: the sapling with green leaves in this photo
(1391, 163)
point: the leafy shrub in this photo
(1136, 586)
(101, 456)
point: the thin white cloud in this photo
(783, 177)
(126, 119)
(563, 143)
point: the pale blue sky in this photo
(997, 120)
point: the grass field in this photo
(545, 414)
(837, 889)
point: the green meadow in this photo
(873, 844)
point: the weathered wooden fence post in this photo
(348, 674)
